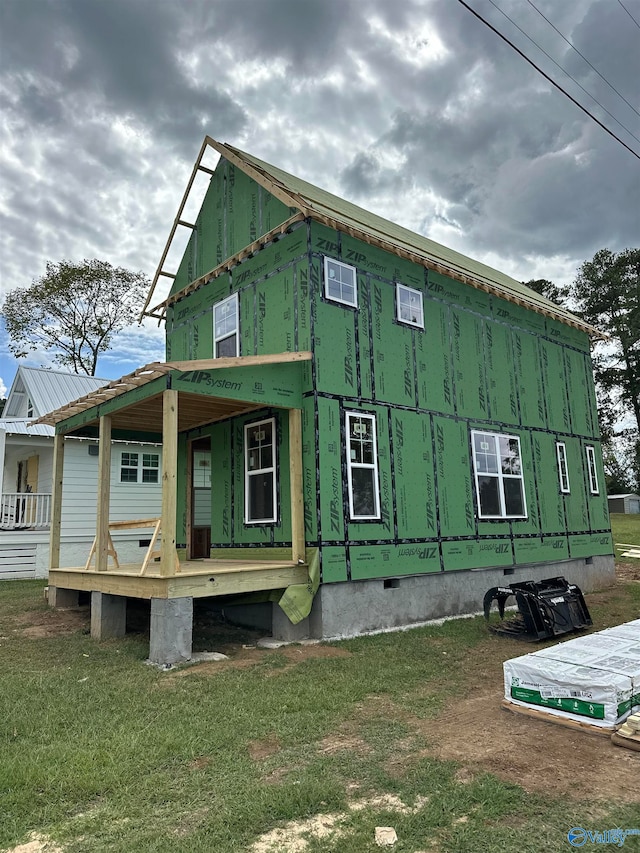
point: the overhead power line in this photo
(549, 79)
(629, 14)
(557, 64)
(573, 47)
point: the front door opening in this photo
(200, 498)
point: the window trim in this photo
(228, 299)
(377, 516)
(592, 470)
(139, 467)
(411, 291)
(500, 476)
(563, 468)
(327, 261)
(272, 469)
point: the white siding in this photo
(80, 485)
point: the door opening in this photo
(200, 540)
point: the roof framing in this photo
(333, 219)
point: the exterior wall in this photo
(25, 553)
(625, 504)
(480, 362)
(235, 212)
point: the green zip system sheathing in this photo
(480, 362)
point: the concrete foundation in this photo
(58, 597)
(108, 615)
(347, 609)
(171, 632)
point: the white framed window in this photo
(260, 498)
(563, 468)
(409, 306)
(340, 284)
(497, 466)
(362, 467)
(139, 467)
(226, 334)
(593, 471)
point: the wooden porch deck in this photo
(196, 578)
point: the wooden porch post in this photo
(56, 497)
(104, 493)
(169, 482)
(295, 476)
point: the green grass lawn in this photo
(625, 528)
(99, 752)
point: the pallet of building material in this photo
(571, 691)
(546, 717)
(628, 735)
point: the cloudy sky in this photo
(411, 108)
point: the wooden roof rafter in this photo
(144, 375)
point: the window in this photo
(563, 470)
(226, 340)
(362, 467)
(591, 467)
(139, 467)
(409, 306)
(499, 481)
(340, 282)
(260, 472)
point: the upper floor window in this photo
(226, 337)
(563, 469)
(497, 465)
(260, 501)
(139, 467)
(593, 471)
(409, 306)
(362, 467)
(340, 283)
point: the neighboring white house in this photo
(624, 503)
(26, 465)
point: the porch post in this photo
(104, 492)
(295, 477)
(169, 482)
(56, 498)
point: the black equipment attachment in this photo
(546, 608)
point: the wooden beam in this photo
(104, 494)
(295, 477)
(56, 509)
(239, 361)
(169, 481)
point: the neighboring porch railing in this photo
(25, 509)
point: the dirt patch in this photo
(243, 657)
(41, 624)
(261, 749)
(628, 571)
(37, 844)
(541, 757)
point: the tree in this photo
(607, 295)
(548, 289)
(73, 310)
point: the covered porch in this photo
(158, 403)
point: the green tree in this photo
(73, 310)
(548, 289)
(606, 294)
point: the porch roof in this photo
(208, 390)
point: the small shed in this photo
(624, 503)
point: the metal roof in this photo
(24, 426)
(323, 206)
(49, 389)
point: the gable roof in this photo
(315, 203)
(47, 390)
